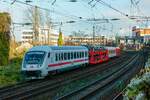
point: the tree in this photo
(5, 22)
(60, 39)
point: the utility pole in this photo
(49, 25)
(36, 26)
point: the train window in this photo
(110, 52)
(59, 56)
(56, 57)
(65, 56)
(75, 55)
(68, 56)
(80, 54)
(85, 54)
(48, 54)
(62, 56)
(72, 55)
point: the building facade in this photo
(85, 40)
(46, 37)
(142, 33)
(27, 36)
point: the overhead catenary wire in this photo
(56, 12)
(143, 19)
(109, 6)
(46, 9)
(60, 13)
(13, 2)
(106, 4)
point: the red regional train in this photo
(39, 61)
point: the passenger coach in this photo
(41, 60)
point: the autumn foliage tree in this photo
(5, 22)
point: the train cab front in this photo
(32, 65)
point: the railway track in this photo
(128, 77)
(91, 89)
(24, 91)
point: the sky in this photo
(80, 11)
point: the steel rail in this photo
(80, 93)
(34, 90)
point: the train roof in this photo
(95, 47)
(48, 48)
(111, 48)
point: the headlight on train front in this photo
(39, 65)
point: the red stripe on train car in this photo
(64, 63)
(59, 64)
(80, 60)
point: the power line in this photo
(142, 19)
(13, 2)
(46, 9)
(104, 3)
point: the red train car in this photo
(97, 55)
(118, 51)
